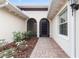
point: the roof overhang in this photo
(33, 8)
(55, 7)
(13, 9)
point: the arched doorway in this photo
(44, 28)
(32, 25)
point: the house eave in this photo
(15, 10)
(55, 7)
(32, 6)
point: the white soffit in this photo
(36, 6)
(55, 7)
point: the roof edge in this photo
(30, 6)
(15, 9)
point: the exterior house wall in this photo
(77, 32)
(65, 42)
(38, 15)
(10, 23)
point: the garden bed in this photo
(23, 50)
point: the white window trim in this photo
(65, 9)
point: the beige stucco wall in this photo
(10, 23)
(38, 15)
(77, 33)
(65, 42)
(70, 43)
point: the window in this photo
(63, 25)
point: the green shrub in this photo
(2, 42)
(30, 34)
(24, 35)
(17, 36)
(20, 36)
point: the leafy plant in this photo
(2, 42)
(30, 34)
(20, 36)
(17, 36)
(24, 35)
(7, 53)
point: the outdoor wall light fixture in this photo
(74, 5)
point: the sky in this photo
(30, 2)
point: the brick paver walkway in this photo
(47, 48)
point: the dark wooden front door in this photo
(44, 28)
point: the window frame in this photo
(63, 23)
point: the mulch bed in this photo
(24, 52)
